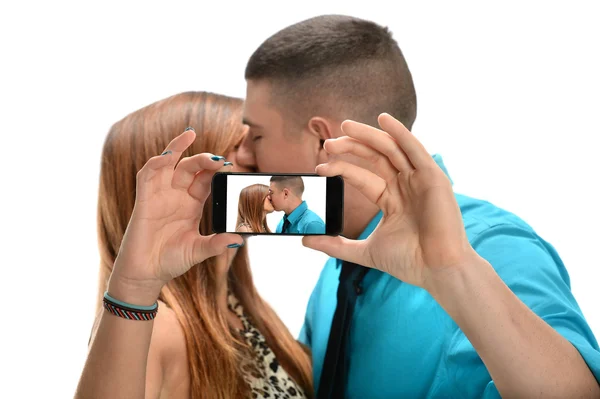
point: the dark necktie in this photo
(335, 367)
(286, 225)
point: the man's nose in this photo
(245, 154)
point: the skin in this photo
(421, 239)
(268, 206)
(283, 200)
(161, 242)
(271, 146)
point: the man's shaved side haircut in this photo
(294, 183)
(335, 66)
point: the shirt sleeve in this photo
(533, 270)
(315, 227)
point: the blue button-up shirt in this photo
(303, 221)
(402, 344)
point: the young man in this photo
(285, 193)
(463, 299)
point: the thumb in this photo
(338, 247)
(208, 246)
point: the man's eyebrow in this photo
(248, 122)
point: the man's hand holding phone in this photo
(421, 235)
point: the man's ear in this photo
(322, 129)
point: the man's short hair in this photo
(336, 66)
(294, 183)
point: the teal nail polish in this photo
(217, 157)
(234, 245)
(228, 164)
(166, 152)
(189, 128)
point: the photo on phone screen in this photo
(277, 204)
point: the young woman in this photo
(253, 207)
(212, 335)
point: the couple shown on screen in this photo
(284, 194)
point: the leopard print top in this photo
(266, 377)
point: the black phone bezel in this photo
(334, 203)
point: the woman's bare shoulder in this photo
(243, 228)
(168, 333)
(168, 342)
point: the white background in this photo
(508, 93)
(315, 190)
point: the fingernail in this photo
(189, 128)
(228, 164)
(234, 245)
(217, 157)
(166, 152)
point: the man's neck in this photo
(292, 207)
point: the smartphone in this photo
(277, 204)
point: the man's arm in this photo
(422, 241)
(533, 340)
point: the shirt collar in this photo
(296, 213)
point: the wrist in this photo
(135, 292)
(449, 282)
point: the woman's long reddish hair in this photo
(213, 351)
(251, 208)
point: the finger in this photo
(186, 170)
(201, 186)
(349, 145)
(169, 156)
(339, 247)
(151, 167)
(368, 183)
(227, 167)
(208, 246)
(414, 150)
(178, 145)
(380, 141)
(143, 185)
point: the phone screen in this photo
(282, 204)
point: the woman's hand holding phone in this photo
(162, 240)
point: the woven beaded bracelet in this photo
(129, 311)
